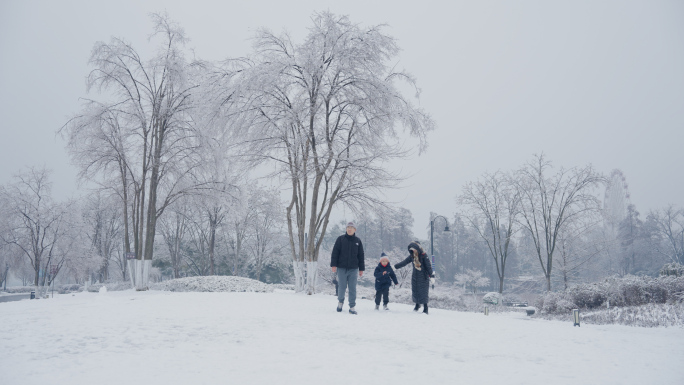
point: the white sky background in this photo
(598, 82)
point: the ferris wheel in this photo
(616, 199)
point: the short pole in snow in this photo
(575, 316)
(486, 310)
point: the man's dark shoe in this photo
(352, 311)
(339, 307)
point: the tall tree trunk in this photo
(213, 219)
(36, 269)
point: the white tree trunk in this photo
(311, 276)
(131, 273)
(139, 271)
(299, 275)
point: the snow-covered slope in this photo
(162, 337)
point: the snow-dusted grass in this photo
(213, 283)
(163, 337)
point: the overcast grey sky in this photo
(598, 82)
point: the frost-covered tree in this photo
(139, 139)
(237, 231)
(579, 244)
(37, 227)
(102, 219)
(328, 112)
(472, 279)
(668, 232)
(492, 206)
(266, 228)
(550, 202)
(7, 258)
(174, 229)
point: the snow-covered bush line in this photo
(61, 289)
(630, 300)
(213, 284)
(615, 291)
(20, 289)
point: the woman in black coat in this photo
(422, 275)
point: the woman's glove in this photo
(432, 280)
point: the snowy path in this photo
(282, 338)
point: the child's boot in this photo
(377, 307)
(385, 307)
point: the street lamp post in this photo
(432, 238)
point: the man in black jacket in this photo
(347, 261)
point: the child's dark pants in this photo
(384, 294)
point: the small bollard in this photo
(486, 310)
(575, 316)
(33, 295)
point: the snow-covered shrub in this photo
(587, 295)
(564, 306)
(492, 298)
(672, 269)
(674, 286)
(551, 303)
(634, 291)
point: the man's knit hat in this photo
(351, 224)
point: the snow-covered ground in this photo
(161, 337)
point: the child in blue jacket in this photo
(384, 275)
